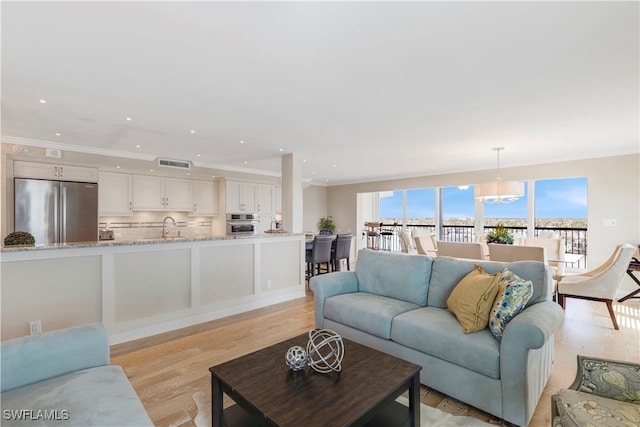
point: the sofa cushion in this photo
(513, 294)
(586, 409)
(394, 275)
(99, 396)
(367, 312)
(447, 272)
(436, 332)
(471, 300)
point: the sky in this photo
(555, 198)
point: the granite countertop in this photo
(148, 241)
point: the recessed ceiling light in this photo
(57, 133)
(128, 119)
(304, 160)
(334, 166)
(245, 162)
(281, 150)
(241, 142)
(192, 131)
(150, 170)
(43, 101)
(117, 167)
(138, 146)
(197, 155)
(188, 174)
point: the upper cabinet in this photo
(156, 193)
(264, 198)
(205, 198)
(241, 197)
(115, 194)
(53, 171)
(249, 197)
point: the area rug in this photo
(429, 417)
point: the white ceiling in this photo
(360, 90)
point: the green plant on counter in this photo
(19, 238)
(326, 224)
(500, 235)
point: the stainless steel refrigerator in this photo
(56, 211)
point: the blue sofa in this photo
(64, 378)
(397, 303)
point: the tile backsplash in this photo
(147, 225)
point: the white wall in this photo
(314, 206)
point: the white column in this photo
(292, 193)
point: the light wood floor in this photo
(166, 370)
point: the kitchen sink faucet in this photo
(165, 232)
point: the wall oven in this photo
(240, 224)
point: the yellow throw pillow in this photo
(472, 299)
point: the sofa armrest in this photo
(608, 378)
(35, 358)
(526, 357)
(328, 285)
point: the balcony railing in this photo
(575, 237)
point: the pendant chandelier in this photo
(499, 191)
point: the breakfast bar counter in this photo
(146, 287)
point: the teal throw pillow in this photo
(513, 295)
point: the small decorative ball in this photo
(296, 358)
(325, 350)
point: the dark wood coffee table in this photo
(267, 393)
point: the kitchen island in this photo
(146, 287)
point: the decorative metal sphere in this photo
(296, 358)
(325, 350)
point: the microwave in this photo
(242, 224)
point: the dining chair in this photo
(318, 255)
(511, 253)
(483, 241)
(460, 250)
(340, 251)
(600, 284)
(426, 245)
(407, 244)
(555, 252)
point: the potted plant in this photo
(500, 235)
(326, 224)
(22, 238)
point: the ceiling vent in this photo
(178, 164)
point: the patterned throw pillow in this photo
(513, 294)
(472, 299)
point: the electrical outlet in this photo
(35, 327)
(268, 283)
(608, 222)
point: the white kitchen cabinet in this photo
(277, 199)
(240, 197)
(178, 194)
(205, 198)
(264, 198)
(156, 193)
(54, 171)
(115, 194)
